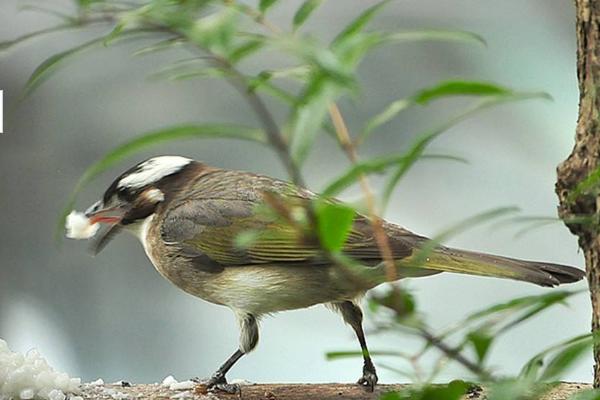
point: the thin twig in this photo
(276, 139)
(376, 222)
(455, 354)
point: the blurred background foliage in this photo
(276, 69)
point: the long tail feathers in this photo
(473, 263)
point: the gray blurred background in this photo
(114, 317)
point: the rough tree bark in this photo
(585, 157)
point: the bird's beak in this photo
(98, 213)
(112, 216)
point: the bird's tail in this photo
(444, 259)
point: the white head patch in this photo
(153, 170)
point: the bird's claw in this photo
(369, 378)
(218, 383)
(230, 388)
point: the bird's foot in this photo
(218, 383)
(369, 378)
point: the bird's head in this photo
(135, 194)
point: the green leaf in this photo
(455, 390)
(375, 166)
(320, 60)
(421, 256)
(565, 354)
(421, 144)
(87, 3)
(44, 70)
(358, 24)
(264, 5)
(246, 239)
(10, 43)
(245, 49)
(334, 222)
(308, 117)
(159, 46)
(334, 355)
(535, 304)
(402, 302)
(433, 35)
(513, 389)
(565, 359)
(146, 140)
(422, 97)
(590, 394)
(305, 10)
(459, 88)
(386, 115)
(216, 32)
(481, 341)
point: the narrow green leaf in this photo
(590, 394)
(481, 341)
(358, 24)
(48, 11)
(216, 32)
(50, 65)
(455, 390)
(513, 389)
(308, 117)
(245, 49)
(421, 144)
(146, 140)
(565, 359)
(334, 355)
(433, 35)
(421, 256)
(115, 33)
(305, 10)
(374, 166)
(246, 239)
(264, 5)
(385, 116)
(422, 97)
(10, 43)
(159, 46)
(520, 303)
(44, 70)
(334, 221)
(532, 370)
(459, 88)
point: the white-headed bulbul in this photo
(188, 217)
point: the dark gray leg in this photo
(248, 340)
(353, 316)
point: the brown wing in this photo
(208, 229)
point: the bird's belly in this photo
(268, 289)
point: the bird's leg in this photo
(353, 316)
(218, 380)
(248, 340)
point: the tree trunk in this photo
(585, 156)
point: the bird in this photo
(189, 218)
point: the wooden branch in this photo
(328, 391)
(585, 157)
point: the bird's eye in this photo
(124, 193)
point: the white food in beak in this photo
(78, 226)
